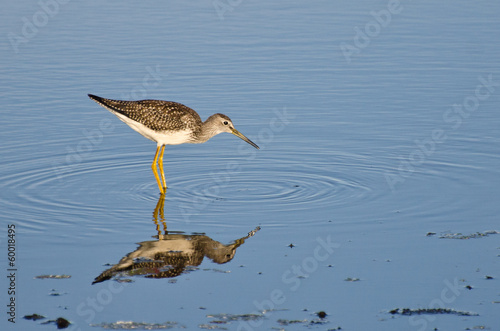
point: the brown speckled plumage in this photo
(170, 263)
(157, 115)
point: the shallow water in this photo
(361, 157)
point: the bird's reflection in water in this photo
(172, 253)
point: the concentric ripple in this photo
(271, 182)
(268, 183)
(45, 191)
(273, 189)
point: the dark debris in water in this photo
(321, 314)
(285, 322)
(478, 327)
(431, 311)
(219, 322)
(55, 293)
(217, 270)
(223, 321)
(468, 236)
(61, 322)
(211, 327)
(225, 318)
(52, 277)
(130, 325)
(305, 322)
(318, 322)
(34, 317)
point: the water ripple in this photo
(271, 182)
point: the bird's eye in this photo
(226, 123)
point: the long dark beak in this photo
(240, 135)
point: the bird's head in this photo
(222, 123)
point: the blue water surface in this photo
(379, 132)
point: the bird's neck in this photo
(208, 130)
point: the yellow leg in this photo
(155, 171)
(162, 213)
(159, 216)
(161, 169)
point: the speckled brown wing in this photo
(158, 115)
